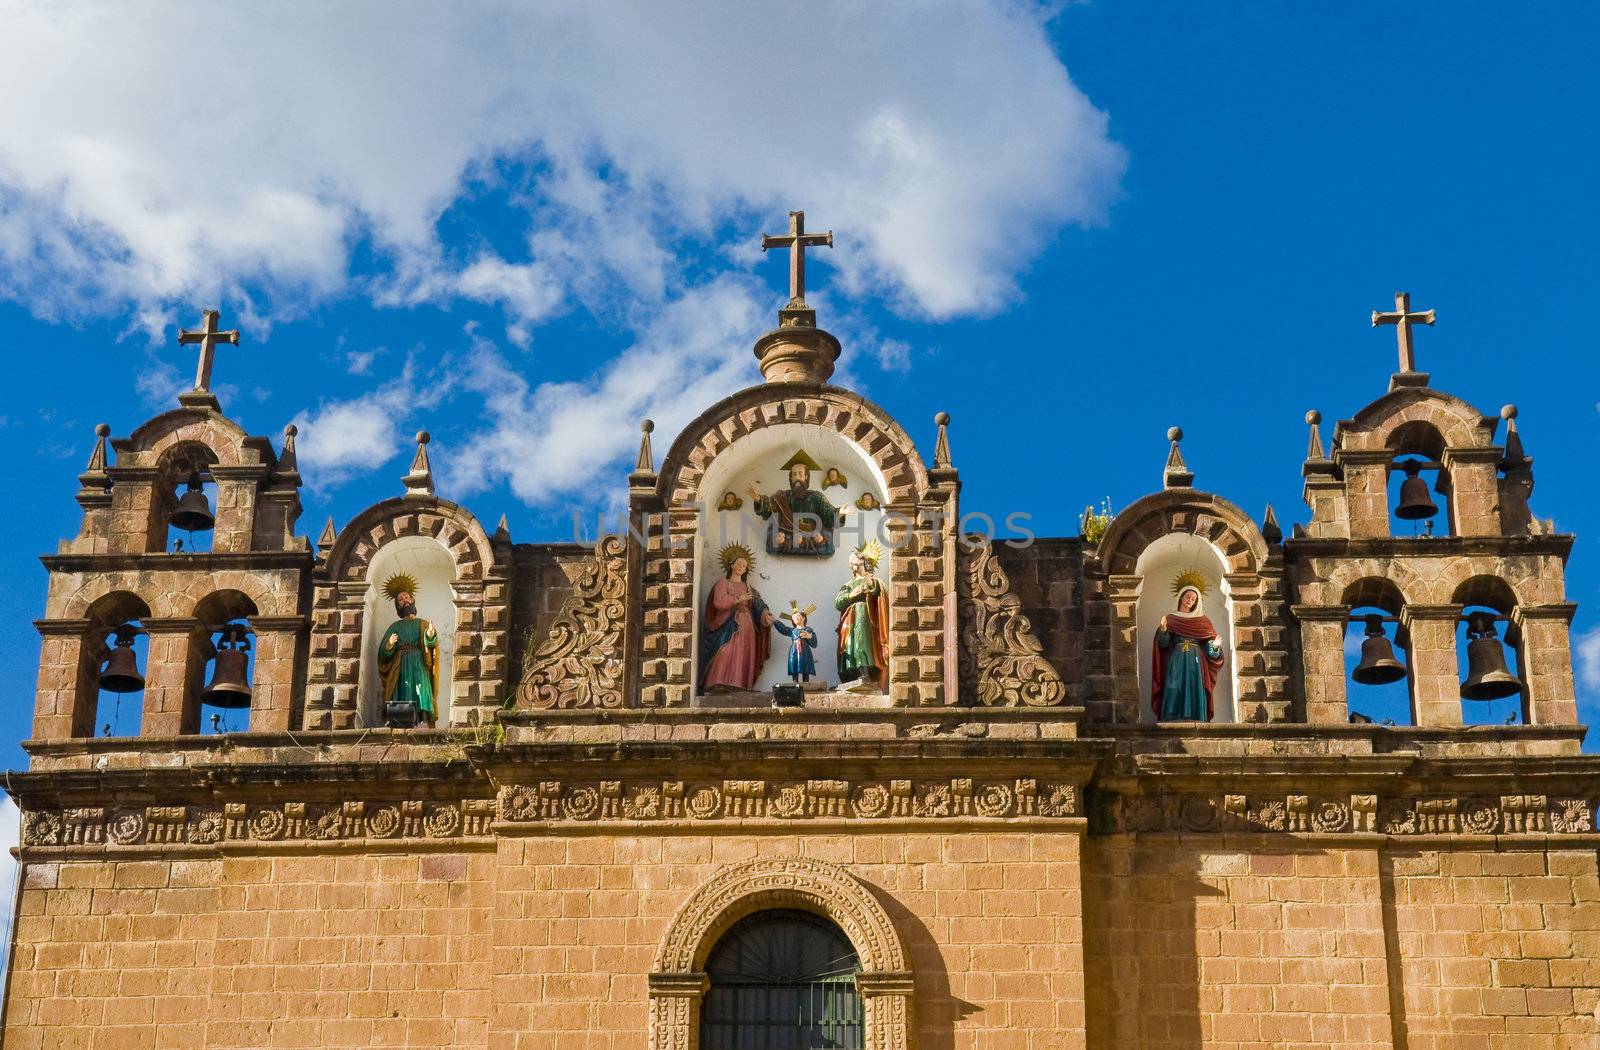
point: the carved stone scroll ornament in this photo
(1002, 663)
(579, 663)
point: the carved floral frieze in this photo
(1327, 815)
(244, 822)
(816, 799)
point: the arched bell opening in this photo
(1418, 483)
(220, 667)
(1377, 655)
(183, 505)
(1159, 568)
(111, 675)
(1489, 654)
(779, 978)
(432, 568)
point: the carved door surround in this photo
(678, 982)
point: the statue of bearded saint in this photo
(1185, 660)
(408, 656)
(805, 518)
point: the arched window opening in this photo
(217, 689)
(1377, 654)
(183, 509)
(782, 980)
(427, 566)
(1489, 654)
(1167, 567)
(1416, 477)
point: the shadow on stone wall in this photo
(937, 1010)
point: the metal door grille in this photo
(782, 980)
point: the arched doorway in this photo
(782, 979)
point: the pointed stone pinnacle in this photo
(646, 463)
(95, 480)
(1514, 458)
(329, 537)
(1270, 530)
(419, 482)
(941, 448)
(1177, 475)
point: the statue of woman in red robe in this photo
(736, 630)
(1185, 659)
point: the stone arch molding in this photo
(679, 981)
(1209, 517)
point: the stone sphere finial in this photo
(102, 430)
(423, 438)
(648, 425)
(291, 430)
(942, 419)
(1313, 417)
(1174, 434)
(1508, 412)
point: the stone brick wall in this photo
(330, 950)
(1500, 950)
(1047, 577)
(541, 580)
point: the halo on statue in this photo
(732, 553)
(398, 584)
(871, 552)
(1190, 578)
(794, 607)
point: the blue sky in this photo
(1070, 228)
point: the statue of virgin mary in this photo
(1186, 657)
(736, 630)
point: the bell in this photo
(193, 513)
(121, 672)
(1378, 665)
(1487, 677)
(1415, 503)
(230, 678)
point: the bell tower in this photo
(185, 586)
(1421, 534)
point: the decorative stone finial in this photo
(1314, 421)
(502, 531)
(1177, 475)
(288, 460)
(1515, 458)
(1403, 317)
(329, 537)
(419, 482)
(941, 448)
(646, 463)
(1271, 531)
(797, 351)
(95, 482)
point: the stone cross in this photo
(1403, 317)
(797, 240)
(208, 337)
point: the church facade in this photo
(1104, 791)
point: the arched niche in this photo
(678, 982)
(757, 459)
(429, 562)
(1158, 565)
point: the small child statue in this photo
(802, 639)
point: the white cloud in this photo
(945, 143)
(557, 439)
(1588, 653)
(342, 439)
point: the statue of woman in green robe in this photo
(408, 656)
(863, 621)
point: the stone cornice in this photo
(1557, 544)
(159, 561)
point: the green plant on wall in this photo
(1095, 522)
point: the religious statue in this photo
(834, 479)
(868, 501)
(1186, 657)
(730, 501)
(734, 634)
(408, 656)
(802, 639)
(863, 620)
(805, 519)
